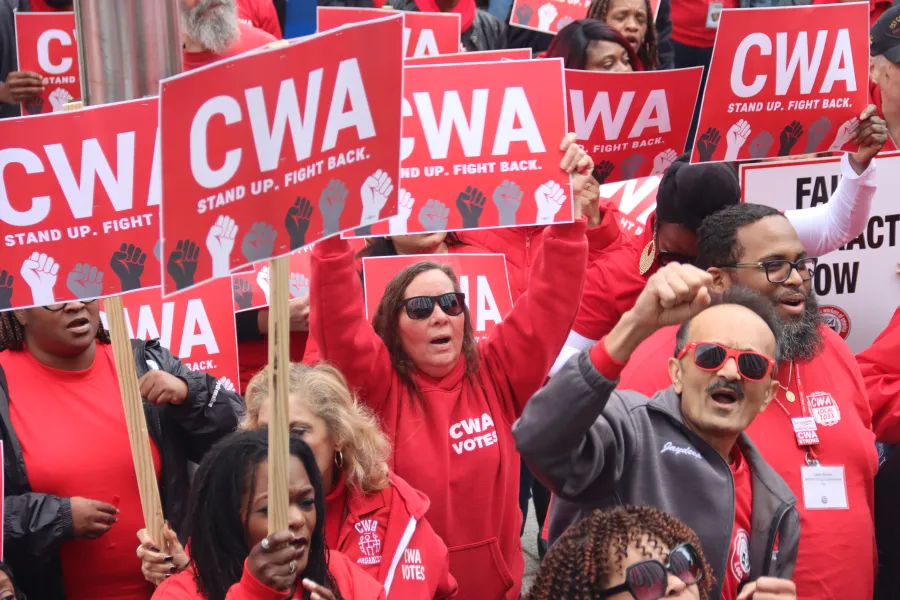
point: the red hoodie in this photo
(880, 368)
(385, 533)
(456, 445)
(353, 582)
(260, 14)
(837, 557)
(521, 245)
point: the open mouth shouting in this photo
(79, 326)
(725, 394)
(793, 303)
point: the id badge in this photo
(824, 488)
(805, 431)
(712, 16)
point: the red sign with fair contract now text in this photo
(273, 150)
(424, 34)
(470, 57)
(79, 204)
(632, 124)
(785, 82)
(192, 326)
(482, 278)
(45, 44)
(480, 148)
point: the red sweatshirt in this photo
(880, 368)
(385, 533)
(689, 22)
(601, 309)
(521, 245)
(353, 582)
(457, 445)
(837, 547)
(260, 14)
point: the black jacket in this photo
(34, 524)
(486, 33)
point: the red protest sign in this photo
(635, 199)
(470, 57)
(79, 204)
(491, 133)
(632, 124)
(251, 290)
(192, 326)
(548, 16)
(482, 278)
(784, 81)
(270, 151)
(424, 34)
(45, 44)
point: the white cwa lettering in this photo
(485, 308)
(80, 192)
(43, 51)
(196, 330)
(654, 113)
(789, 61)
(426, 45)
(268, 139)
(470, 130)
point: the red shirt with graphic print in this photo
(738, 568)
(828, 566)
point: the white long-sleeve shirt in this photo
(822, 229)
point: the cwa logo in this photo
(480, 430)
(740, 556)
(836, 319)
(369, 542)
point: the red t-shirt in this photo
(737, 570)
(260, 14)
(689, 22)
(71, 425)
(828, 565)
(250, 38)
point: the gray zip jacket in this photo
(595, 447)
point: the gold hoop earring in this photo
(339, 459)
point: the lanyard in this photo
(811, 457)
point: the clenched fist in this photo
(159, 387)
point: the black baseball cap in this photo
(884, 37)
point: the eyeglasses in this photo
(664, 257)
(420, 307)
(648, 579)
(779, 271)
(59, 307)
(710, 356)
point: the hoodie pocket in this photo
(480, 570)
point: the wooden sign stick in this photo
(279, 377)
(138, 435)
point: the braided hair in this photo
(648, 51)
(582, 562)
(218, 545)
(12, 333)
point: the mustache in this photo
(722, 384)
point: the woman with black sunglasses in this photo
(627, 552)
(71, 498)
(445, 402)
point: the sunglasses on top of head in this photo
(649, 579)
(709, 356)
(420, 307)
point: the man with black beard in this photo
(211, 31)
(817, 432)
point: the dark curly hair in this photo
(717, 238)
(648, 51)
(12, 333)
(581, 563)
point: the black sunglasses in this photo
(59, 307)
(649, 579)
(420, 307)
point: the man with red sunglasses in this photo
(817, 433)
(684, 450)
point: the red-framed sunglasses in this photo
(709, 356)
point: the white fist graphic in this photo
(39, 272)
(220, 242)
(549, 197)
(375, 191)
(405, 203)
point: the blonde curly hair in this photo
(364, 446)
